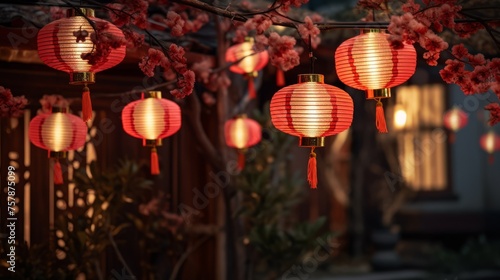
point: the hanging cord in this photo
(311, 55)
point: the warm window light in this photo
(152, 119)
(311, 110)
(399, 117)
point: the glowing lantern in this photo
(368, 62)
(152, 119)
(242, 133)
(400, 117)
(58, 133)
(454, 120)
(61, 44)
(490, 142)
(311, 110)
(247, 61)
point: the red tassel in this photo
(380, 118)
(312, 173)
(251, 88)
(241, 161)
(491, 159)
(155, 166)
(280, 77)
(58, 178)
(86, 105)
(451, 140)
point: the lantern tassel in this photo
(380, 118)
(280, 77)
(451, 140)
(312, 174)
(58, 178)
(491, 159)
(86, 105)
(251, 88)
(155, 166)
(241, 161)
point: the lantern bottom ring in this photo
(312, 142)
(81, 78)
(62, 154)
(152, 142)
(378, 93)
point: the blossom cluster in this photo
(52, 100)
(172, 60)
(281, 50)
(104, 43)
(180, 23)
(11, 106)
(309, 30)
(129, 12)
(285, 4)
(212, 80)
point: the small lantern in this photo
(61, 44)
(490, 142)
(454, 120)
(311, 110)
(242, 133)
(152, 119)
(247, 61)
(58, 133)
(368, 62)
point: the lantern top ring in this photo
(313, 78)
(85, 11)
(57, 109)
(153, 94)
(372, 30)
(312, 142)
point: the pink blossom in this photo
(104, 43)
(410, 7)
(371, 4)
(259, 23)
(11, 106)
(494, 109)
(309, 30)
(175, 23)
(459, 51)
(53, 100)
(282, 52)
(285, 4)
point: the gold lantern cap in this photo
(153, 94)
(312, 141)
(152, 142)
(312, 78)
(62, 154)
(378, 93)
(81, 78)
(85, 11)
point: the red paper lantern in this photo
(242, 133)
(368, 62)
(247, 61)
(61, 44)
(152, 119)
(454, 120)
(490, 142)
(58, 133)
(311, 110)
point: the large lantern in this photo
(58, 133)
(490, 142)
(152, 119)
(454, 120)
(311, 110)
(368, 62)
(247, 60)
(61, 44)
(241, 133)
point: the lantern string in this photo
(311, 55)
